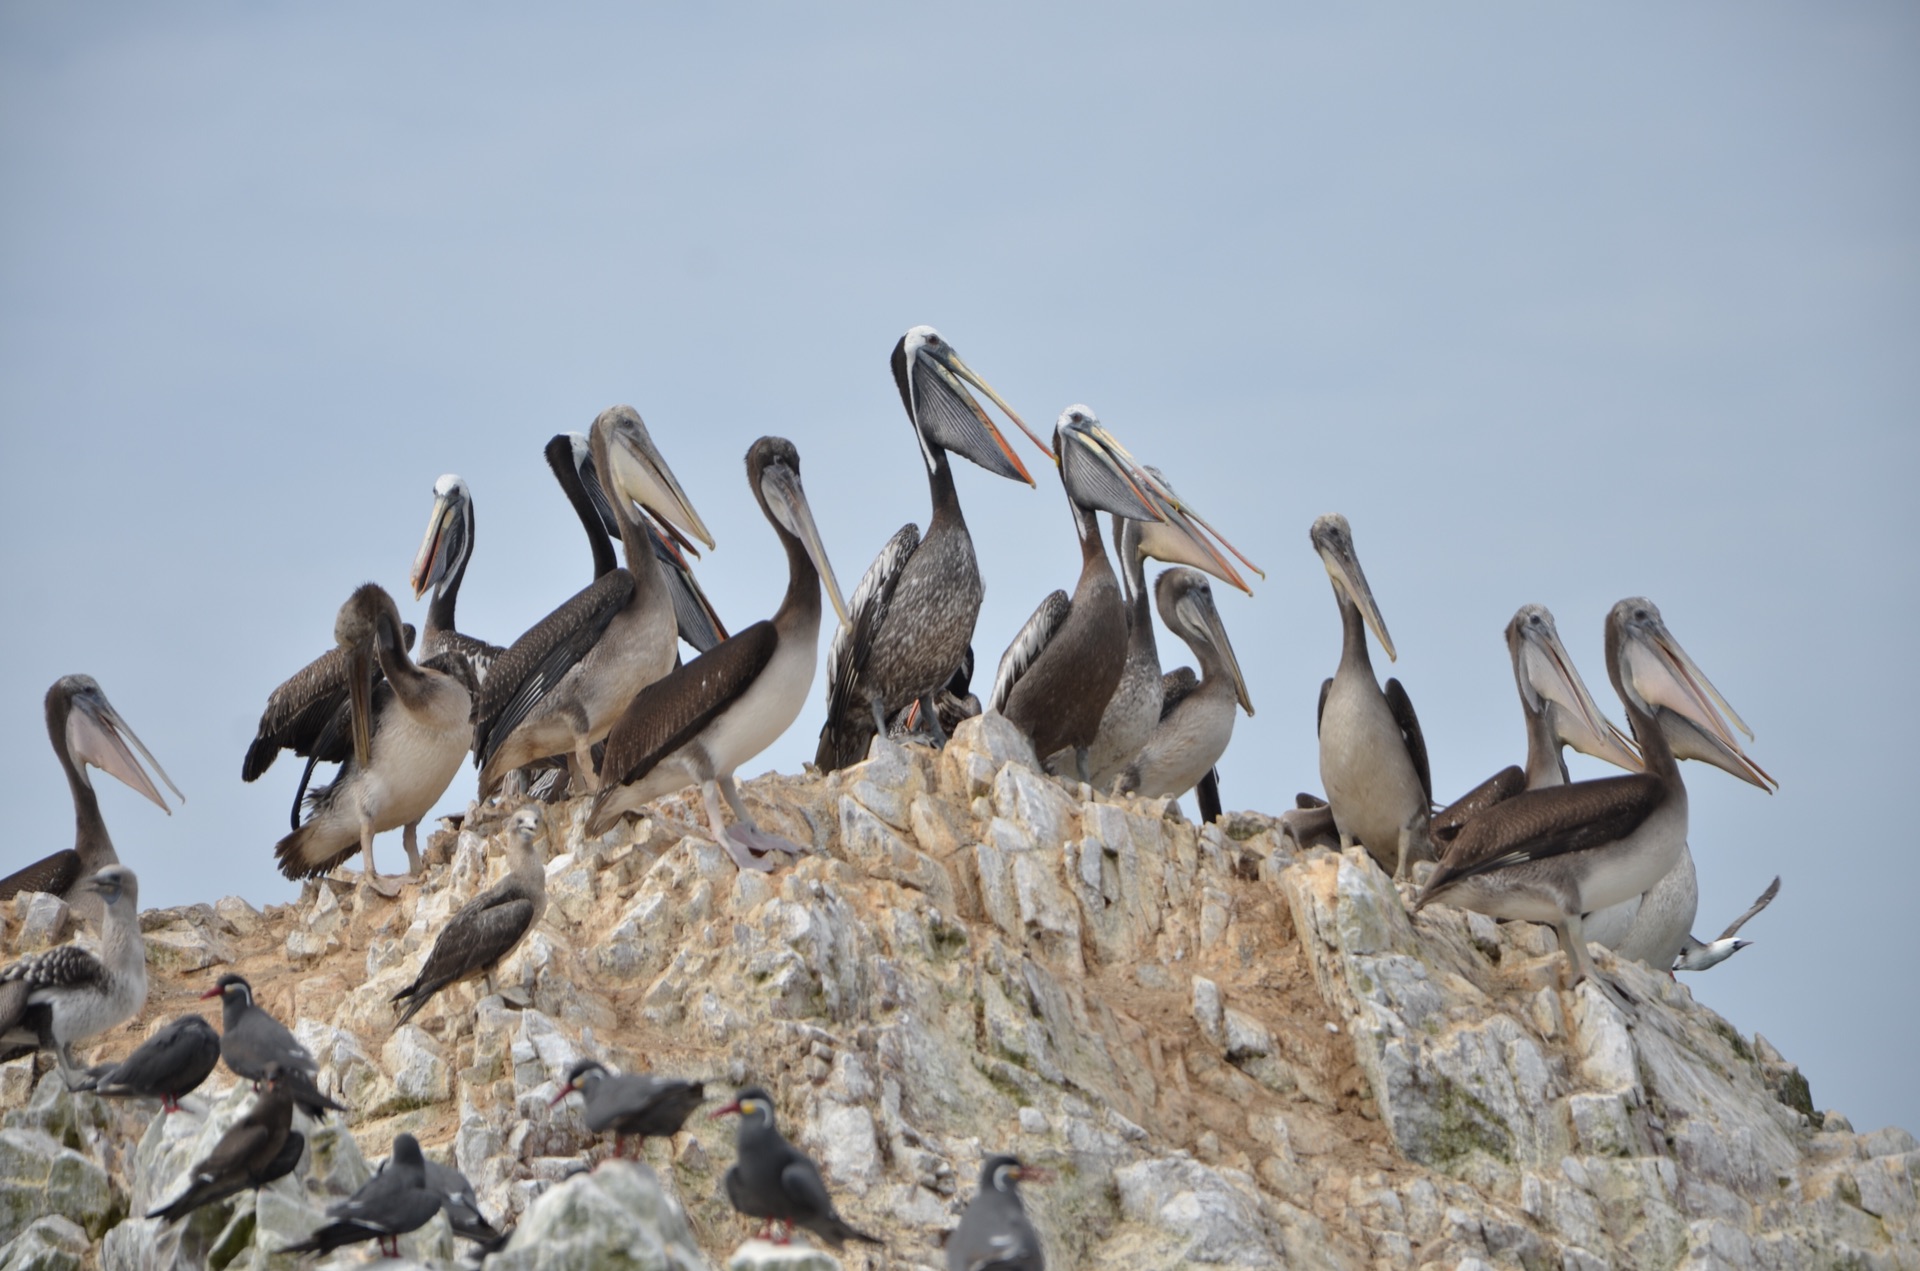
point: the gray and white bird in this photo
(86, 732)
(442, 565)
(1698, 956)
(396, 1200)
(255, 1045)
(774, 1180)
(1195, 727)
(487, 928)
(167, 1066)
(67, 994)
(995, 1233)
(635, 1103)
(258, 1148)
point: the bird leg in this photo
(410, 840)
(931, 710)
(745, 841)
(585, 779)
(1082, 765)
(879, 713)
(1573, 942)
(786, 1232)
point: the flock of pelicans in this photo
(595, 700)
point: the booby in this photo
(491, 925)
(66, 994)
(561, 686)
(409, 737)
(1195, 727)
(86, 730)
(774, 1180)
(395, 1201)
(1556, 854)
(1056, 678)
(995, 1233)
(255, 1045)
(1373, 758)
(914, 610)
(258, 1148)
(1698, 956)
(1559, 712)
(706, 718)
(167, 1066)
(441, 564)
(635, 1103)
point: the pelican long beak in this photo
(360, 701)
(1096, 470)
(982, 445)
(1198, 610)
(1542, 661)
(1665, 677)
(1179, 537)
(787, 500)
(431, 564)
(694, 614)
(98, 735)
(639, 473)
(1334, 541)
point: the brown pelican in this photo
(441, 564)
(1373, 759)
(491, 925)
(408, 740)
(1058, 675)
(1696, 955)
(563, 683)
(914, 610)
(67, 994)
(86, 729)
(1195, 728)
(1559, 712)
(1556, 854)
(708, 717)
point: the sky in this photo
(1556, 305)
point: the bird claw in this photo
(737, 844)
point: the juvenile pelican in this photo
(703, 720)
(1554, 855)
(68, 994)
(86, 730)
(1058, 675)
(560, 687)
(1373, 759)
(410, 733)
(442, 565)
(913, 612)
(1195, 728)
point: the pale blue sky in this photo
(1555, 306)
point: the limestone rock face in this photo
(1228, 1051)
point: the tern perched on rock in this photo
(633, 1103)
(255, 1044)
(167, 1066)
(395, 1201)
(260, 1147)
(995, 1233)
(67, 994)
(776, 1181)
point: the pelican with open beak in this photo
(561, 686)
(1373, 758)
(914, 610)
(703, 720)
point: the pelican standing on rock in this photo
(1056, 678)
(913, 612)
(408, 740)
(86, 730)
(1373, 758)
(442, 565)
(1554, 855)
(66, 994)
(562, 685)
(1195, 728)
(705, 719)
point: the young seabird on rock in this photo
(65, 995)
(995, 1233)
(167, 1066)
(701, 721)
(1698, 956)
(254, 1044)
(409, 736)
(86, 731)
(260, 1147)
(1195, 728)
(1373, 758)
(491, 925)
(774, 1180)
(635, 1103)
(913, 612)
(395, 1201)
(1553, 855)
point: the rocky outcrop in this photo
(1229, 1053)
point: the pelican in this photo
(1556, 854)
(563, 683)
(1373, 758)
(441, 564)
(408, 741)
(87, 730)
(708, 717)
(1195, 728)
(1056, 678)
(1559, 712)
(1136, 707)
(914, 610)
